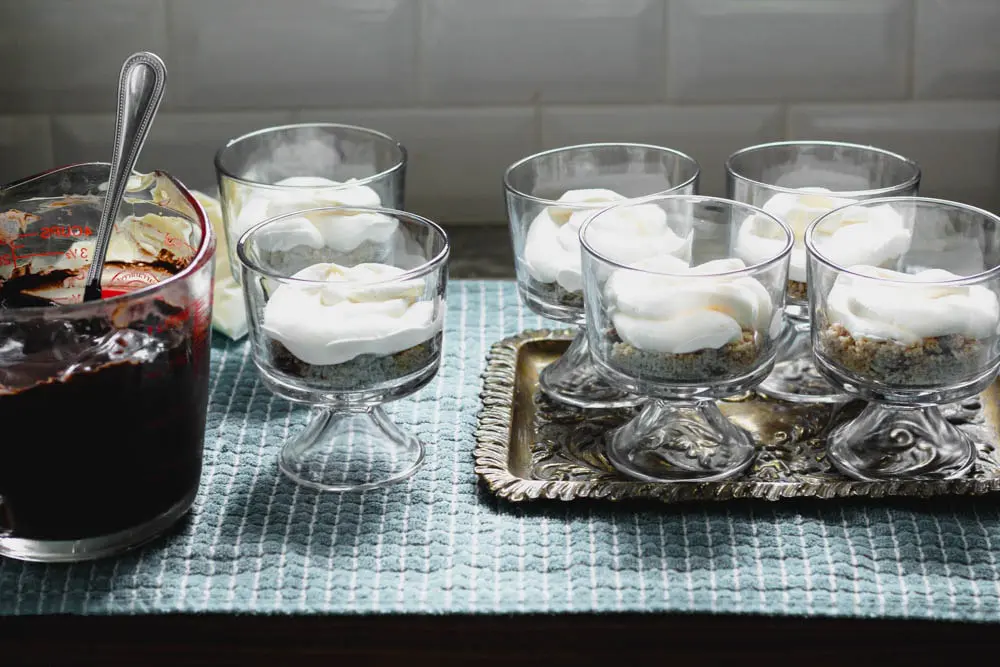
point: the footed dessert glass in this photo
(908, 337)
(289, 168)
(797, 181)
(549, 195)
(683, 332)
(346, 337)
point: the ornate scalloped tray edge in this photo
(529, 448)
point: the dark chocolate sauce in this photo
(109, 444)
(15, 292)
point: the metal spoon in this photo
(140, 90)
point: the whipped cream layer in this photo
(911, 312)
(348, 312)
(342, 232)
(631, 233)
(687, 310)
(229, 314)
(859, 235)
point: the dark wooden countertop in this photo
(485, 641)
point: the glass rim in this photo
(608, 144)
(202, 256)
(912, 181)
(813, 250)
(694, 199)
(427, 267)
(367, 180)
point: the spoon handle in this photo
(140, 90)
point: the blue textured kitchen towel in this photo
(256, 543)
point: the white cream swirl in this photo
(688, 310)
(627, 234)
(229, 315)
(908, 313)
(874, 235)
(342, 232)
(858, 235)
(348, 312)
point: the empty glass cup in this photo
(910, 332)
(283, 169)
(549, 195)
(797, 181)
(346, 334)
(684, 331)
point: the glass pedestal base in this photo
(350, 450)
(679, 441)
(573, 380)
(900, 443)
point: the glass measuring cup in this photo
(109, 397)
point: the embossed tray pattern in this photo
(529, 447)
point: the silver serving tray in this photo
(528, 447)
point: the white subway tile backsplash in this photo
(515, 51)
(65, 55)
(456, 156)
(762, 50)
(709, 134)
(232, 54)
(183, 144)
(957, 49)
(956, 144)
(472, 85)
(25, 147)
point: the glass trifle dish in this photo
(797, 182)
(280, 170)
(908, 337)
(684, 332)
(549, 196)
(346, 337)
